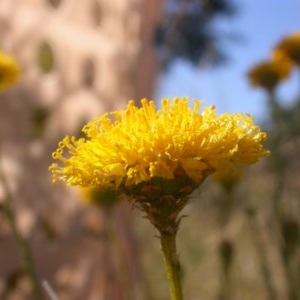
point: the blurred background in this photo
(80, 59)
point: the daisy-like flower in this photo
(268, 74)
(157, 158)
(9, 71)
(289, 48)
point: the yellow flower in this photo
(125, 148)
(289, 47)
(103, 197)
(157, 157)
(228, 177)
(268, 74)
(9, 71)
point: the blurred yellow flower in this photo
(103, 197)
(268, 74)
(178, 144)
(289, 47)
(9, 71)
(228, 177)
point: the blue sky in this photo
(261, 23)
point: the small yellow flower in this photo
(289, 47)
(157, 158)
(105, 198)
(228, 177)
(125, 148)
(268, 74)
(9, 71)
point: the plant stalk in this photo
(168, 247)
(22, 243)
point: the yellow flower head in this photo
(228, 177)
(103, 197)
(268, 74)
(289, 47)
(157, 157)
(125, 148)
(9, 71)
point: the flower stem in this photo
(261, 251)
(168, 247)
(22, 243)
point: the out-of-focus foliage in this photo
(283, 164)
(187, 31)
(45, 58)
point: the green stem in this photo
(22, 243)
(114, 248)
(168, 247)
(280, 169)
(261, 252)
